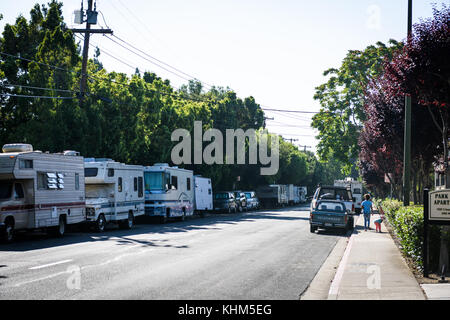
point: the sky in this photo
(273, 50)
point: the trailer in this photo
(40, 190)
(169, 192)
(273, 195)
(356, 189)
(203, 197)
(114, 193)
(290, 191)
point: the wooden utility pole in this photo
(407, 131)
(90, 15)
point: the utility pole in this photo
(309, 147)
(291, 140)
(407, 132)
(91, 18)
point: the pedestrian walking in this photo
(367, 211)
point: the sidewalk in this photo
(372, 268)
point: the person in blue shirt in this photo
(367, 210)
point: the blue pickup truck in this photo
(330, 214)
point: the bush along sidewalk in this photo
(407, 224)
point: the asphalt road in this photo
(256, 255)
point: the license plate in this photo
(328, 224)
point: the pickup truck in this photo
(330, 214)
(342, 194)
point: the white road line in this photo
(50, 264)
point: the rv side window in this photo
(90, 172)
(188, 182)
(18, 191)
(110, 172)
(357, 191)
(140, 187)
(135, 184)
(42, 181)
(5, 190)
(77, 181)
(119, 184)
(174, 182)
(25, 164)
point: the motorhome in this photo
(290, 190)
(40, 190)
(169, 192)
(296, 194)
(203, 197)
(356, 188)
(114, 193)
(273, 195)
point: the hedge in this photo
(407, 223)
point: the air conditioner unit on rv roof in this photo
(17, 147)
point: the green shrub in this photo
(407, 223)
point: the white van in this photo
(114, 193)
(40, 190)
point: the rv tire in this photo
(101, 223)
(60, 229)
(128, 223)
(8, 232)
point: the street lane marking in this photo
(50, 264)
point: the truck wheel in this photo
(312, 229)
(183, 217)
(162, 219)
(8, 233)
(101, 223)
(240, 209)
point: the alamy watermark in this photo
(257, 144)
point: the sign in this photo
(439, 205)
(387, 176)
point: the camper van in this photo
(302, 194)
(290, 190)
(203, 197)
(40, 190)
(296, 194)
(169, 192)
(114, 193)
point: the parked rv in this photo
(114, 193)
(40, 190)
(203, 196)
(169, 192)
(225, 201)
(273, 195)
(356, 188)
(290, 191)
(252, 200)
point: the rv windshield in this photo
(5, 190)
(156, 180)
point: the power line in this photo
(39, 97)
(289, 111)
(36, 88)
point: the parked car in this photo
(252, 200)
(225, 201)
(330, 214)
(241, 201)
(334, 193)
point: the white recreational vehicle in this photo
(355, 187)
(114, 192)
(297, 194)
(169, 192)
(203, 197)
(302, 194)
(40, 190)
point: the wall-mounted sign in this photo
(439, 205)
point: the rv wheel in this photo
(128, 224)
(60, 230)
(8, 233)
(101, 223)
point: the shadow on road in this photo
(39, 240)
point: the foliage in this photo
(126, 118)
(342, 99)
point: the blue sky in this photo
(274, 50)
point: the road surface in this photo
(256, 255)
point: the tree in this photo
(342, 100)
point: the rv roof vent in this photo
(71, 153)
(17, 147)
(161, 164)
